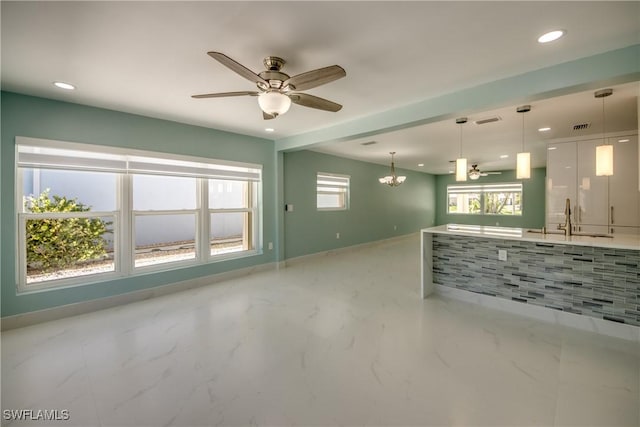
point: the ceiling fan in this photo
(276, 90)
(474, 172)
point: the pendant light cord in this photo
(460, 141)
(523, 132)
(604, 128)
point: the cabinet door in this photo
(561, 181)
(634, 231)
(592, 206)
(624, 197)
(592, 229)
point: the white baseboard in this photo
(346, 249)
(55, 313)
(585, 323)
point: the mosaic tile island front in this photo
(594, 277)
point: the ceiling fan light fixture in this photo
(474, 174)
(274, 103)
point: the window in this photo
(164, 219)
(232, 207)
(332, 191)
(66, 228)
(488, 199)
(89, 213)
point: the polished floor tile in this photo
(334, 340)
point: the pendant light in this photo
(392, 180)
(523, 159)
(604, 152)
(461, 162)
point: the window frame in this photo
(251, 209)
(124, 215)
(340, 181)
(483, 190)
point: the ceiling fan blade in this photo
(237, 67)
(267, 116)
(311, 101)
(223, 94)
(314, 78)
(493, 173)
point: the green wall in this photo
(533, 193)
(43, 118)
(374, 208)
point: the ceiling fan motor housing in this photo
(275, 79)
(273, 63)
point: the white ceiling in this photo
(149, 58)
(435, 144)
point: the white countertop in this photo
(620, 241)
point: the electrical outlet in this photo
(337, 235)
(395, 227)
(270, 246)
(502, 255)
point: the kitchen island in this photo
(582, 281)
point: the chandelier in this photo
(392, 180)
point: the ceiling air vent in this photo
(368, 143)
(488, 120)
(581, 126)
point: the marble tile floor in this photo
(334, 340)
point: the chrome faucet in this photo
(567, 219)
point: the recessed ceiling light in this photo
(269, 129)
(551, 36)
(544, 129)
(551, 148)
(422, 164)
(63, 85)
(623, 140)
(504, 156)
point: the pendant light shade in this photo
(604, 152)
(523, 166)
(604, 160)
(523, 159)
(461, 169)
(461, 162)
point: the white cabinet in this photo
(599, 204)
(591, 229)
(561, 181)
(591, 206)
(624, 197)
(634, 231)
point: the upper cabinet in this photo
(624, 197)
(561, 181)
(598, 203)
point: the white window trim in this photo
(124, 242)
(340, 182)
